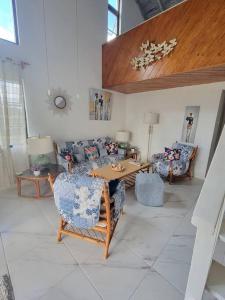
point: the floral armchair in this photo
(86, 208)
(176, 166)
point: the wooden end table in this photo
(132, 155)
(28, 175)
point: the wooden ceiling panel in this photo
(198, 25)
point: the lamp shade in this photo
(151, 118)
(39, 145)
(123, 136)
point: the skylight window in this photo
(8, 29)
(113, 18)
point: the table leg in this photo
(18, 183)
(37, 189)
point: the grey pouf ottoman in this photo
(149, 189)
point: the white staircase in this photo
(222, 232)
(208, 218)
(216, 281)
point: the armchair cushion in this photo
(186, 150)
(91, 152)
(178, 167)
(78, 199)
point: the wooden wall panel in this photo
(199, 57)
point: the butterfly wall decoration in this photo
(152, 52)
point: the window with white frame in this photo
(113, 19)
(15, 111)
(8, 24)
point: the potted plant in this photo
(36, 170)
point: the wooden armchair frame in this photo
(171, 176)
(100, 234)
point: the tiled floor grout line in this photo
(83, 271)
(152, 266)
(69, 250)
(6, 262)
(134, 291)
(46, 217)
(80, 265)
(3, 249)
(67, 275)
(163, 248)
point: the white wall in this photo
(130, 16)
(73, 39)
(170, 104)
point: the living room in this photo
(60, 49)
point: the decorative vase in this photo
(37, 173)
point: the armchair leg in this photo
(59, 234)
(170, 178)
(107, 242)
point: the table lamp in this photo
(38, 148)
(151, 119)
(123, 137)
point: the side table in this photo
(28, 175)
(132, 155)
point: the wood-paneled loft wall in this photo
(199, 57)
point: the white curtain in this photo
(13, 156)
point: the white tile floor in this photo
(150, 253)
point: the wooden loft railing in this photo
(208, 217)
(199, 57)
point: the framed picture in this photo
(100, 105)
(190, 124)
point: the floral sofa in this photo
(81, 163)
(170, 165)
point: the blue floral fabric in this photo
(85, 167)
(178, 167)
(78, 199)
(76, 149)
(119, 198)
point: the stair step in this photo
(216, 281)
(222, 232)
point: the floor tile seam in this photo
(133, 293)
(4, 254)
(45, 216)
(163, 248)
(56, 283)
(133, 252)
(84, 272)
(170, 283)
(30, 250)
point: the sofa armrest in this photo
(63, 162)
(121, 152)
(157, 156)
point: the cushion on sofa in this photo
(102, 151)
(100, 141)
(112, 148)
(91, 152)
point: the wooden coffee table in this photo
(28, 175)
(128, 174)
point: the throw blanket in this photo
(78, 199)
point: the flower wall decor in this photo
(152, 53)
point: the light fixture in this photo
(123, 138)
(39, 147)
(151, 119)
